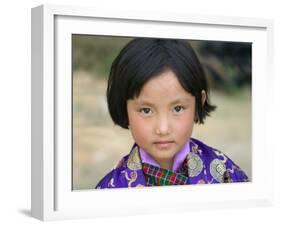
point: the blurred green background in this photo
(98, 144)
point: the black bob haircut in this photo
(144, 58)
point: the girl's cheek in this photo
(143, 127)
(139, 124)
(185, 124)
(137, 121)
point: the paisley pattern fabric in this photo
(203, 165)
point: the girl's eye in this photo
(178, 108)
(145, 111)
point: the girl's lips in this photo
(163, 144)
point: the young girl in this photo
(157, 89)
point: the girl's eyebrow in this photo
(181, 100)
(175, 101)
(144, 102)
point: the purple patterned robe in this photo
(205, 165)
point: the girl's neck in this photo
(166, 164)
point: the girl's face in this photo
(161, 118)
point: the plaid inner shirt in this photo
(156, 176)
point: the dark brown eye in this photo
(145, 110)
(178, 108)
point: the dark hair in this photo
(144, 58)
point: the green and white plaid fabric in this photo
(156, 176)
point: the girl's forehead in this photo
(163, 93)
(165, 84)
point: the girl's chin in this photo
(164, 157)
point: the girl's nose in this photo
(162, 127)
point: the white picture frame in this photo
(52, 196)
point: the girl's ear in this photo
(204, 97)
